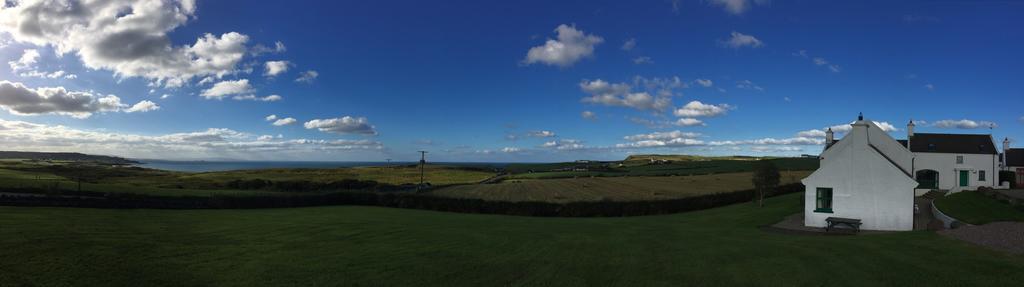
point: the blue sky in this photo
(497, 80)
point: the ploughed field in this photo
(611, 188)
(371, 246)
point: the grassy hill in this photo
(64, 156)
(366, 246)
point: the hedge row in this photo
(403, 200)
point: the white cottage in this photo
(868, 176)
(952, 162)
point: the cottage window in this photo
(959, 159)
(981, 175)
(824, 200)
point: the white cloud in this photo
(274, 68)
(227, 88)
(165, 96)
(676, 142)
(698, 109)
(27, 61)
(307, 76)
(929, 87)
(737, 7)
(748, 85)
(143, 106)
(541, 134)
(964, 124)
(511, 150)
(774, 149)
(688, 122)
(704, 82)
(662, 136)
(271, 117)
(629, 44)
(621, 94)
(739, 40)
(213, 142)
(812, 134)
(261, 49)
(564, 144)
(270, 98)
(643, 60)
(571, 46)
(129, 38)
(22, 100)
(588, 115)
(771, 141)
(284, 122)
(342, 125)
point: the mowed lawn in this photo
(611, 188)
(368, 246)
(976, 208)
(434, 174)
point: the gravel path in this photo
(1002, 236)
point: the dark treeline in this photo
(423, 201)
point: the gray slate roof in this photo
(951, 143)
(1015, 157)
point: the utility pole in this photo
(423, 161)
(389, 163)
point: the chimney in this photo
(830, 137)
(1006, 149)
(910, 132)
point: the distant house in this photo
(867, 176)
(1013, 160)
(952, 162)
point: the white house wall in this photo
(865, 186)
(949, 170)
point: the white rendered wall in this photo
(864, 184)
(949, 170)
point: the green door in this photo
(964, 177)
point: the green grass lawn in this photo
(689, 167)
(976, 208)
(395, 247)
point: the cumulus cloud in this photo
(284, 121)
(22, 100)
(564, 144)
(307, 76)
(213, 142)
(588, 115)
(271, 117)
(129, 38)
(540, 134)
(629, 44)
(621, 94)
(844, 128)
(737, 7)
(570, 47)
(739, 40)
(274, 68)
(511, 150)
(27, 60)
(698, 109)
(688, 122)
(270, 98)
(964, 124)
(143, 106)
(775, 149)
(227, 88)
(662, 136)
(704, 82)
(342, 125)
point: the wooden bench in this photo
(833, 221)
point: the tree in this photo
(766, 178)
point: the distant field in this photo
(371, 246)
(610, 188)
(679, 167)
(122, 179)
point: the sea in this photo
(206, 166)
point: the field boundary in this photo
(398, 200)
